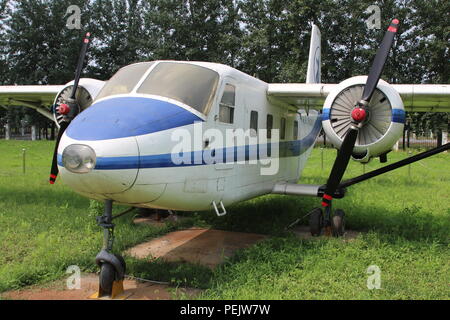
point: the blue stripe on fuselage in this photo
(128, 117)
(229, 155)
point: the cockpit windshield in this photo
(124, 80)
(190, 84)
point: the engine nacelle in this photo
(383, 126)
(87, 91)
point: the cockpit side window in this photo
(190, 84)
(124, 80)
(226, 107)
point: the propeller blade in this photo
(79, 68)
(358, 115)
(54, 170)
(340, 165)
(379, 61)
(66, 108)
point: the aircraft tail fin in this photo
(313, 74)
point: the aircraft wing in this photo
(416, 97)
(36, 97)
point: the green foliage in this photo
(3, 48)
(119, 36)
(269, 38)
(423, 123)
(41, 49)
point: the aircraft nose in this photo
(99, 151)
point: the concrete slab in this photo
(208, 247)
(134, 290)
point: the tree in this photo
(194, 30)
(3, 42)
(41, 49)
(431, 20)
(266, 38)
(119, 36)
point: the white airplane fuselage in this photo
(135, 136)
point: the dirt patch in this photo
(204, 246)
(134, 290)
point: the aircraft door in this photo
(227, 118)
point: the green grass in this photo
(405, 218)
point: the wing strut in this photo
(319, 190)
(393, 166)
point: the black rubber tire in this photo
(107, 277)
(338, 223)
(316, 222)
(122, 262)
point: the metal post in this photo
(409, 166)
(24, 152)
(321, 156)
(404, 139)
(408, 137)
(7, 131)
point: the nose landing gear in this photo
(112, 266)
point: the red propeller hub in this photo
(63, 109)
(359, 114)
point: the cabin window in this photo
(124, 80)
(187, 83)
(295, 130)
(226, 107)
(283, 129)
(269, 126)
(254, 121)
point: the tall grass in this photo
(405, 216)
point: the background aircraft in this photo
(116, 144)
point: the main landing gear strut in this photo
(333, 224)
(112, 266)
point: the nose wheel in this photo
(111, 275)
(112, 266)
(107, 278)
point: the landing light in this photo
(78, 158)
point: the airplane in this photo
(129, 140)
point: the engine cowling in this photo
(87, 91)
(384, 123)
